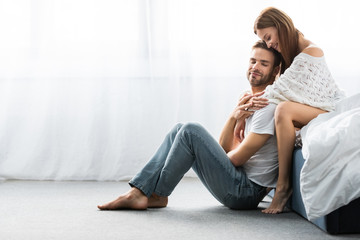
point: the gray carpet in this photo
(67, 210)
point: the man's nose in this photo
(255, 65)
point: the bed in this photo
(326, 170)
(345, 219)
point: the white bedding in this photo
(330, 177)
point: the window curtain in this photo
(88, 89)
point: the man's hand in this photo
(247, 104)
(233, 132)
(239, 131)
(243, 103)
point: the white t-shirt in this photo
(262, 167)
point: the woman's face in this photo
(270, 37)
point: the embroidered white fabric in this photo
(307, 81)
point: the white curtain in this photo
(88, 89)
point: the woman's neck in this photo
(303, 43)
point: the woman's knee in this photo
(283, 111)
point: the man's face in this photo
(260, 71)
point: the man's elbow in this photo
(237, 161)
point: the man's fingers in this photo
(246, 106)
(241, 135)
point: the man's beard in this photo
(264, 80)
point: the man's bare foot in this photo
(156, 201)
(133, 199)
(279, 201)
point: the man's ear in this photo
(276, 71)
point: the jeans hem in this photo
(140, 187)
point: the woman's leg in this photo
(288, 115)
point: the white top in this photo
(262, 167)
(307, 81)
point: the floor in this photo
(67, 210)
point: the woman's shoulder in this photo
(308, 57)
(313, 51)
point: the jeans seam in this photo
(210, 149)
(240, 183)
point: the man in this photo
(237, 170)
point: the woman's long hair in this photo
(288, 34)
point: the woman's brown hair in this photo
(288, 34)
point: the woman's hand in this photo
(258, 102)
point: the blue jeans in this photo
(191, 146)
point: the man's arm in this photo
(251, 144)
(227, 138)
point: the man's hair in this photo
(276, 54)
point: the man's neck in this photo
(258, 89)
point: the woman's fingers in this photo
(244, 99)
(259, 102)
(253, 98)
(258, 94)
(249, 103)
(260, 99)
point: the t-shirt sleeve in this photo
(263, 120)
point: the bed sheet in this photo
(330, 177)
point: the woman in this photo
(304, 90)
